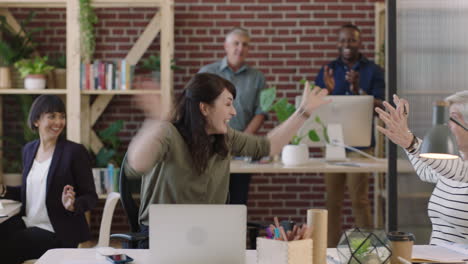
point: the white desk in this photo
(140, 256)
(10, 208)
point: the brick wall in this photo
(291, 40)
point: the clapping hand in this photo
(396, 122)
(328, 79)
(353, 78)
(68, 198)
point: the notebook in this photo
(197, 234)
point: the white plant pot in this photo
(35, 82)
(295, 154)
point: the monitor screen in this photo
(353, 112)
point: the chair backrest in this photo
(106, 221)
(129, 205)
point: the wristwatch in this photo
(414, 145)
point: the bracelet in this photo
(410, 148)
(303, 113)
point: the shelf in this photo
(95, 3)
(41, 91)
(35, 3)
(129, 92)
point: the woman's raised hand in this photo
(313, 98)
(396, 122)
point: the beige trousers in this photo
(358, 188)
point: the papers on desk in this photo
(355, 164)
(439, 254)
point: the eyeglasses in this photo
(458, 123)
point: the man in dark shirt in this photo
(350, 74)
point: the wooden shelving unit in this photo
(24, 91)
(81, 115)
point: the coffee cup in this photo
(402, 245)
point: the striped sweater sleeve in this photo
(429, 170)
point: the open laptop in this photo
(197, 234)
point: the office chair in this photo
(130, 240)
(106, 220)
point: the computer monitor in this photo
(353, 112)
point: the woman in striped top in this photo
(448, 204)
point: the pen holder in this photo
(271, 251)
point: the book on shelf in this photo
(106, 75)
(106, 180)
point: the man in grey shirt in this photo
(248, 82)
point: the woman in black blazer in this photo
(57, 188)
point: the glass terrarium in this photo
(364, 246)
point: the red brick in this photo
(229, 24)
(312, 7)
(283, 23)
(352, 15)
(242, 16)
(256, 8)
(283, 8)
(339, 7)
(196, 8)
(298, 15)
(228, 8)
(132, 16)
(214, 16)
(270, 16)
(187, 16)
(283, 55)
(256, 24)
(325, 15)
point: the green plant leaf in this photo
(303, 81)
(109, 135)
(104, 156)
(313, 136)
(283, 109)
(296, 140)
(37, 65)
(267, 97)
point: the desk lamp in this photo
(439, 142)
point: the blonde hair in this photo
(461, 100)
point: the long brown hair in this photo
(191, 123)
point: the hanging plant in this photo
(87, 20)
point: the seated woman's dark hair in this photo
(191, 123)
(46, 103)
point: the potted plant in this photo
(109, 152)
(359, 246)
(294, 153)
(87, 19)
(58, 77)
(34, 72)
(14, 46)
(153, 64)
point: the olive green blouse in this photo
(173, 179)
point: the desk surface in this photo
(10, 208)
(140, 256)
(353, 165)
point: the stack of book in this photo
(106, 180)
(106, 75)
